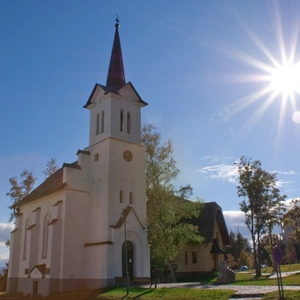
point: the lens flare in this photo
(296, 117)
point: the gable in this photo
(38, 271)
(125, 90)
(97, 88)
(125, 214)
(129, 91)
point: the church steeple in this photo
(116, 75)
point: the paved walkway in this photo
(241, 289)
(249, 291)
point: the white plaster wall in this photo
(112, 104)
(122, 171)
(75, 229)
(28, 213)
(97, 262)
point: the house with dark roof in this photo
(73, 231)
(205, 257)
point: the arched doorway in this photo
(129, 259)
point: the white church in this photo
(71, 230)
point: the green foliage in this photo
(244, 259)
(19, 189)
(160, 165)
(167, 210)
(238, 243)
(262, 202)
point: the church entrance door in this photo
(129, 259)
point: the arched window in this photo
(121, 120)
(128, 123)
(102, 121)
(98, 124)
(25, 246)
(45, 236)
(131, 198)
(121, 196)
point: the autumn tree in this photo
(51, 168)
(232, 263)
(167, 210)
(261, 203)
(20, 188)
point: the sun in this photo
(285, 79)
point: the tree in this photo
(160, 165)
(245, 259)
(3, 277)
(261, 204)
(238, 243)
(51, 168)
(19, 189)
(167, 210)
(232, 264)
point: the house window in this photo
(102, 121)
(128, 123)
(45, 236)
(121, 120)
(98, 124)
(131, 198)
(121, 196)
(186, 257)
(194, 257)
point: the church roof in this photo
(50, 185)
(116, 75)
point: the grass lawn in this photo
(138, 293)
(166, 293)
(242, 278)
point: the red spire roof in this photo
(116, 75)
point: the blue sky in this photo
(203, 66)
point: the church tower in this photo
(117, 172)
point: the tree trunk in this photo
(173, 276)
(258, 268)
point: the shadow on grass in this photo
(207, 278)
(140, 295)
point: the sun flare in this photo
(274, 72)
(286, 79)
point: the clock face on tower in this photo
(127, 155)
